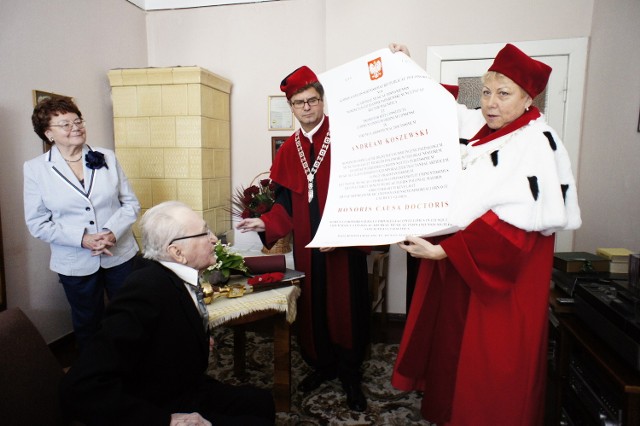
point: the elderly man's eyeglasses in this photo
(202, 234)
(299, 104)
(68, 125)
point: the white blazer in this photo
(59, 210)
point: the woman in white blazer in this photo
(79, 201)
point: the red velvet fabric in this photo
(288, 172)
(475, 339)
(528, 73)
(297, 80)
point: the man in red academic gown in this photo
(334, 307)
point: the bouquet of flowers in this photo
(254, 200)
(227, 262)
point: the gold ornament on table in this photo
(214, 279)
(227, 262)
(254, 201)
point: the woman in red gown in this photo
(475, 341)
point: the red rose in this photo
(265, 182)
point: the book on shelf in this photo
(580, 261)
(619, 267)
(615, 254)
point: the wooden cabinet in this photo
(590, 384)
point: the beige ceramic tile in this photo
(115, 77)
(215, 81)
(163, 190)
(124, 100)
(220, 106)
(220, 134)
(176, 163)
(143, 190)
(160, 75)
(138, 132)
(134, 76)
(128, 159)
(189, 131)
(222, 162)
(224, 192)
(190, 192)
(207, 166)
(162, 131)
(223, 220)
(209, 216)
(174, 100)
(194, 102)
(213, 186)
(206, 104)
(185, 75)
(149, 101)
(195, 163)
(120, 132)
(151, 163)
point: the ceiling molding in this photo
(187, 4)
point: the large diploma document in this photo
(395, 153)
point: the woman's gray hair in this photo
(159, 225)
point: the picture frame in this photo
(280, 114)
(39, 95)
(276, 143)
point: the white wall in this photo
(65, 47)
(609, 173)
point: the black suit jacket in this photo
(150, 351)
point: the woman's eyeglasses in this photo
(68, 125)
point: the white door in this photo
(561, 102)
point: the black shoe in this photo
(355, 398)
(312, 381)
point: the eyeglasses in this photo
(202, 234)
(299, 104)
(67, 126)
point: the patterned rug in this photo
(327, 404)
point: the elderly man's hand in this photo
(188, 419)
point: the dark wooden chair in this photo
(29, 374)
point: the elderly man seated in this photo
(147, 363)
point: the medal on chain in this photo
(310, 173)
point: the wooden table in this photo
(277, 306)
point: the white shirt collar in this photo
(313, 131)
(186, 273)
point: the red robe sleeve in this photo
(488, 254)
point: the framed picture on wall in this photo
(276, 143)
(38, 96)
(280, 114)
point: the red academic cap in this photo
(299, 79)
(528, 73)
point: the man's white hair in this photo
(161, 224)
